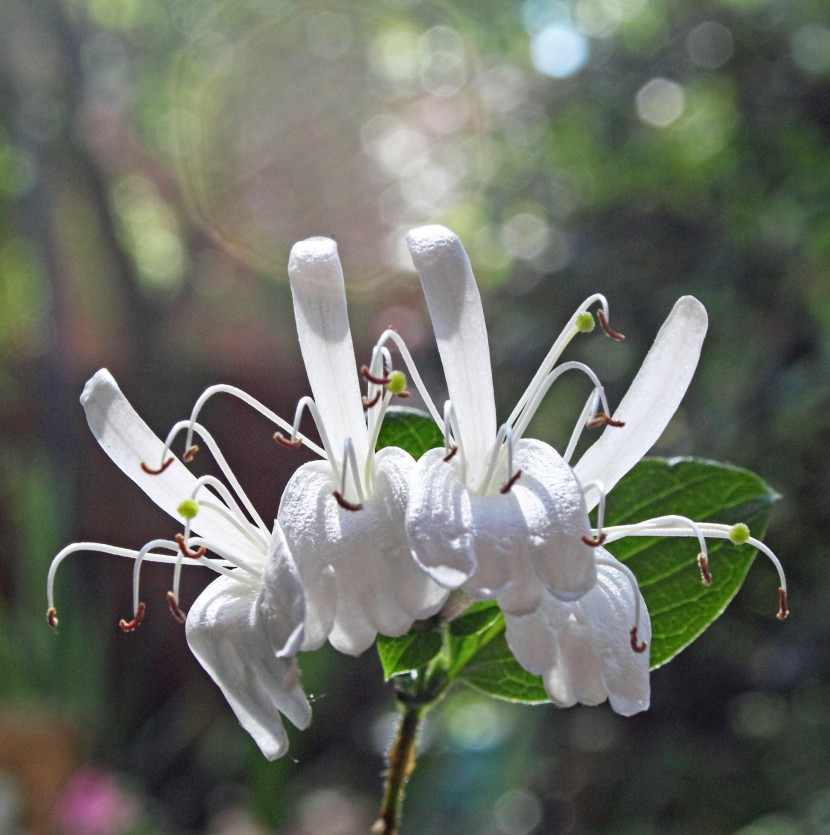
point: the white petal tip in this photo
(428, 242)
(691, 308)
(444, 575)
(101, 378)
(312, 253)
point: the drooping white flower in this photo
(501, 516)
(246, 626)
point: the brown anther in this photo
(378, 381)
(403, 394)
(159, 470)
(603, 320)
(344, 504)
(188, 456)
(52, 618)
(296, 443)
(193, 555)
(177, 613)
(132, 625)
(703, 565)
(601, 419)
(783, 611)
(449, 456)
(367, 404)
(505, 488)
(636, 644)
(594, 543)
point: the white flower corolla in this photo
(247, 625)
(500, 516)
(343, 516)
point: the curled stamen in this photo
(636, 644)
(594, 543)
(367, 375)
(132, 625)
(190, 453)
(601, 419)
(603, 320)
(451, 454)
(157, 470)
(52, 618)
(703, 565)
(177, 613)
(294, 443)
(193, 555)
(344, 504)
(783, 611)
(367, 403)
(505, 488)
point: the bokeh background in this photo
(157, 160)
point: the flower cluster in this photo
(368, 542)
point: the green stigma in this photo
(188, 509)
(397, 382)
(738, 534)
(585, 322)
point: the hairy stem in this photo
(401, 763)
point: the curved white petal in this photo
(319, 297)
(226, 634)
(282, 599)
(651, 400)
(583, 649)
(508, 546)
(461, 333)
(378, 585)
(128, 441)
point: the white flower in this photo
(504, 517)
(247, 625)
(343, 516)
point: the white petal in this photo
(226, 634)
(509, 545)
(379, 587)
(651, 400)
(128, 441)
(282, 599)
(593, 653)
(461, 333)
(326, 342)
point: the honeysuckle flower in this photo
(501, 516)
(246, 626)
(343, 516)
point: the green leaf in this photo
(475, 620)
(411, 430)
(409, 652)
(680, 606)
(495, 671)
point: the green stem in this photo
(401, 763)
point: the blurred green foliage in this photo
(685, 149)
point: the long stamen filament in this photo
(226, 496)
(251, 534)
(597, 485)
(636, 644)
(590, 408)
(452, 439)
(562, 342)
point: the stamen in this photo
(367, 375)
(193, 555)
(52, 618)
(158, 470)
(703, 565)
(289, 444)
(637, 645)
(505, 488)
(190, 453)
(132, 625)
(783, 611)
(177, 613)
(451, 454)
(344, 504)
(601, 419)
(452, 439)
(367, 404)
(603, 320)
(594, 543)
